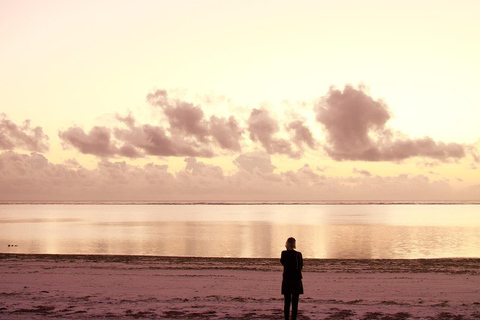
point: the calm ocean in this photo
(322, 231)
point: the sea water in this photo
(390, 231)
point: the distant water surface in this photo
(322, 231)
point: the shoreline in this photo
(155, 287)
(434, 265)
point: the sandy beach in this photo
(136, 287)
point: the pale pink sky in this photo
(240, 100)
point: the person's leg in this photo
(294, 306)
(286, 308)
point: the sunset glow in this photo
(239, 100)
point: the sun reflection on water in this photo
(322, 231)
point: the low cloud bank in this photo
(33, 177)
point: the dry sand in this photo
(126, 287)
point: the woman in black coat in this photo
(292, 286)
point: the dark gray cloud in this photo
(356, 129)
(24, 137)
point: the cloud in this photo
(97, 142)
(476, 158)
(129, 120)
(189, 133)
(153, 140)
(356, 129)
(362, 172)
(33, 177)
(187, 119)
(472, 192)
(129, 151)
(199, 168)
(255, 162)
(226, 132)
(304, 176)
(158, 98)
(72, 163)
(23, 137)
(201, 180)
(400, 187)
(136, 141)
(262, 128)
(355, 125)
(473, 151)
(302, 135)
(428, 164)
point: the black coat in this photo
(292, 262)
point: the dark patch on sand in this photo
(36, 309)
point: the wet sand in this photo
(139, 287)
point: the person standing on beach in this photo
(292, 286)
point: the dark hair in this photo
(292, 241)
